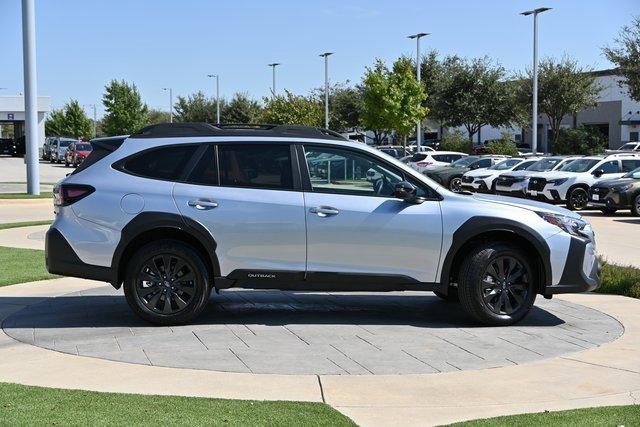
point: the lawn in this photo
(620, 280)
(23, 224)
(25, 405)
(605, 416)
(22, 265)
(45, 195)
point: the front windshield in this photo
(464, 162)
(544, 165)
(64, 143)
(579, 165)
(505, 164)
(634, 174)
(83, 147)
(629, 146)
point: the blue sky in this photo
(82, 44)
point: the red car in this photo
(76, 153)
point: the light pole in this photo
(326, 88)
(417, 37)
(217, 96)
(273, 87)
(30, 96)
(170, 103)
(95, 120)
(534, 113)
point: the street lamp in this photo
(170, 103)
(534, 113)
(217, 96)
(273, 87)
(95, 121)
(30, 96)
(417, 37)
(326, 88)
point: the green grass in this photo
(45, 195)
(605, 416)
(22, 265)
(24, 405)
(619, 280)
(23, 224)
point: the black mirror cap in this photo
(598, 173)
(406, 191)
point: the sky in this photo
(82, 44)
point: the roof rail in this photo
(622, 154)
(172, 130)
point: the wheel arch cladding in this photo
(147, 227)
(481, 229)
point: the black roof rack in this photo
(170, 130)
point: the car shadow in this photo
(269, 308)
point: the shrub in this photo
(455, 141)
(582, 141)
(620, 280)
(505, 146)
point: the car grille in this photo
(537, 184)
(506, 181)
(467, 179)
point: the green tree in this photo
(563, 88)
(406, 95)
(156, 116)
(197, 108)
(293, 109)
(125, 111)
(505, 146)
(581, 141)
(71, 121)
(345, 105)
(241, 109)
(54, 125)
(455, 141)
(376, 114)
(626, 56)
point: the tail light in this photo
(68, 194)
(424, 164)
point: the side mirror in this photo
(406, 191)
(598, 173)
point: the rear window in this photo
(418, 157)
(101, 148)
(166, 163)
(255, 166)
(629, 165)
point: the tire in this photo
(509, 304)
(66, 163)
(148, 298)
(608, 211)
(635, 206)
(577, 199)
(455, 184)
(451, 296)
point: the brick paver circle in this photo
(310, 333)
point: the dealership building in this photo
(12, 115)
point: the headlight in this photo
(573, 226)
(557, 182)
(482, 177)
(622, 188)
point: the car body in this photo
(570, 184)
(59, 149)
(515, 183)
(76, 153)
(18, 148)
(450, 175)
(629, 146)
(427, 160)
(483, 180)
(178, 210)
(610, 195)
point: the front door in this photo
(355, 225)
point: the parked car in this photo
(629, 146)
(484, 180)
(212, 210)
(424, 161)
(515, 183)
(18, 147)
(612, 194)
(76, 153)
(571, 183)
(395, 151)
(59, 149)
(49, 142)
(5, 145)
(450, 176)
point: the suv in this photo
(424, 161)
(484, 180)
(570, 184)
(451, 175)
(59, 149)
(622, 193)
(178, 210)
(515, 183)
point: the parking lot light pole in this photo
(217, 96)
(326, 88)
(534, 103)
(30, 96)
(417, 37)
(95, 120)
(273, 87)
(170, 103)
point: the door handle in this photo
(324, 211)
(202, 204)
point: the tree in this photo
(197, 108)
(54, 125)
(626, 56)
(580, 141)
(125, 111)
(376, 102)
(407, 96)
(504, 146)
(293, 110)
(71, 121)
(241, 109)
(156, 116)
(345, 105)
(563, 88)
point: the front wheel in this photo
(577, 199)
(455, 184)
(496, 284)
(167, 283)
(635, 206)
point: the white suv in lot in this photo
(424, 161)
(515, 183)
(178, 210)
(483, 180)
(570, 184)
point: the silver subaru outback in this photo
(177, 210)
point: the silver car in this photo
(178, 210)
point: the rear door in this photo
(245, 195)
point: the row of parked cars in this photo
(70, 151)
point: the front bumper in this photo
(581, 271)
(61, 259)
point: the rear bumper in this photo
(61, 259)
(581, 271)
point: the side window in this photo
(629, 165)
(484, 163)
(610, 167)
(165, 163)
(206, 171)
(442, 158)
(255, 166)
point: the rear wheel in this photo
(577, 199)
(635, 206)
(167, 283)
(496, 284)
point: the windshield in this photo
(505, 164)
(83, 147)
(464, 162)
(64, 143)
(579, 165)
(544, 165)
(634, 174)
(629, 146)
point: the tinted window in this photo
(64, 143)
(206, 171)
(483, 163)
(255, 166)
(418, 157)
(161, 163)
(543, 165)
(629, 165)
(505, 164)
(610, 167)
(524, 165)
(83, 147)
(464, 161)
(579, 165)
